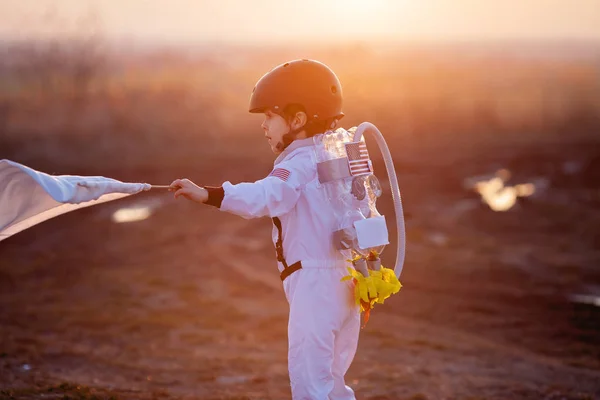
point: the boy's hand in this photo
(189, 190)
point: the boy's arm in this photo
(272, 196)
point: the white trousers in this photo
(323, 330)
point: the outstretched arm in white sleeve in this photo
(272, 196)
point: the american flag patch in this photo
(280, 173)
(358, 158)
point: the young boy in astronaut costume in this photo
(299, 99)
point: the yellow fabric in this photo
(375, 288)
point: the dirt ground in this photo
(187, 304)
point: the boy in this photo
(299, 99)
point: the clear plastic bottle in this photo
(348, 204)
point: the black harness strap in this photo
(279, 244)
(287, 270)
(290, 270)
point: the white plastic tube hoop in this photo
(367, 127)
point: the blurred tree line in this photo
(74, 93)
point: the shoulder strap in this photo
(279, 244)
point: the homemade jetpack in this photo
(346, 171)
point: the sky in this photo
(297, 20)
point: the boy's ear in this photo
(300, 119)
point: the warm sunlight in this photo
(359, 8)
(266, 278)
(366, 18)
(271, 21)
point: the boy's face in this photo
(275, 126)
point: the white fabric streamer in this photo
(28, 197)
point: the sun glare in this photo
(357, 9)
(357, 5)
(132, 214)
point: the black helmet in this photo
(306, 82)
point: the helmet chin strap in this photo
(289, 137)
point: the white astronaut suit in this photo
(324, 322)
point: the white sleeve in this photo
(272, 196)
